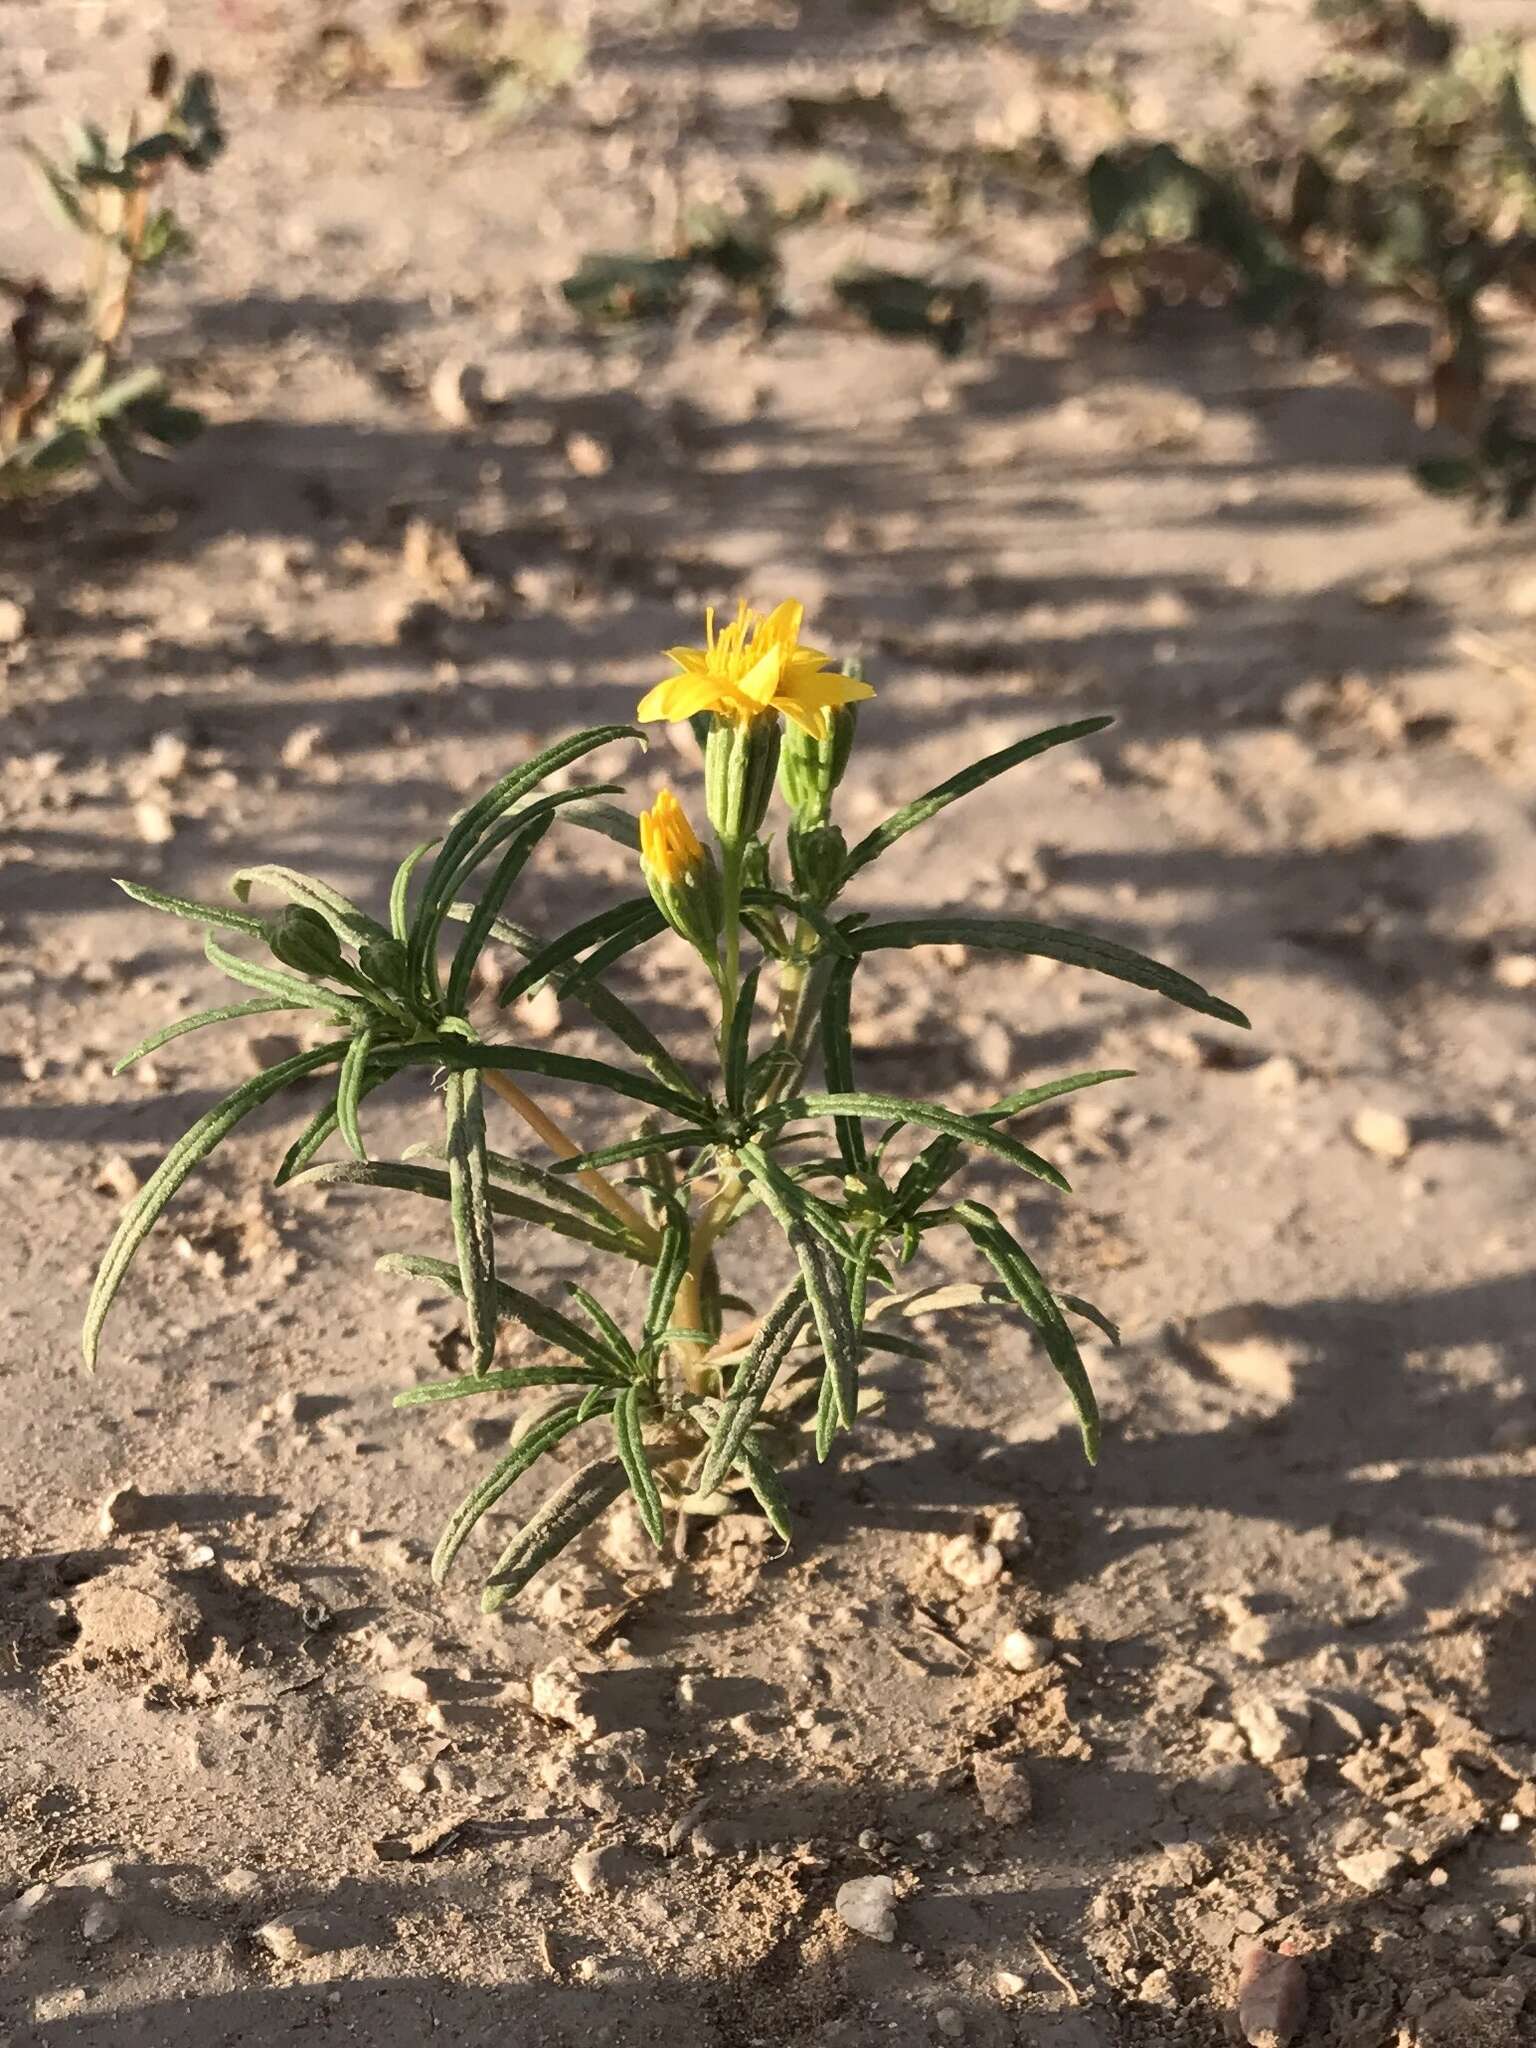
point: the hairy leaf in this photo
(192, 1147)
(568, 1510)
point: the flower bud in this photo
(303, 940)
(810, 769)
(817, 857)
(681, 874)
(386, 964)
(740, 757)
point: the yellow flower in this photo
(669, 846)
(750, 669)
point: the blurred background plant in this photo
(1414, 183)
(71, 396)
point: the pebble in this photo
(1241, 1344)
(1021, 1651)
(587, 455)
(13, 622)
(970, 1562)
(1271, 1997)
(1274, 1725)
(100, 1921)
(1003, 1787)
(1372, 1870)
(122, 1510)
(117, 1176)
(457, 392)
(153, 822)
(950, 2022)
(167, 757)
(1515, 970)
(598, 1870)
(1383, 1133)
(293, 1937)
(867, 1905)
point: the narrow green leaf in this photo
(478, 929)
(558, 1066)
(505, 1380)
(752, 1384)
(349, 1089)
(622, 827)
(612, 1339)
(400, 890)
(636, 919)
(384, 1062)
(528, 1449)
(454, 855)
(1051, 942)
(568, 1510)
(930, 1115)
(600, 1004)
(637, 1466)
(1023, 1280)
(1090, 1314)
(837, 1058)
(671, 1267)
(821, 1272)
(537, 1180)
(767, 1488)
(947, 792)
(643, 1147)
(832, 936)
(192, 1147)
(194, 913)
(826, 1418)
(738, 1046)
(469, 1204)
(545, 1322)
(295, 989)
(432, 1182)
(204, 1017)
(339, 912)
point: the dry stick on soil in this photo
(850, 1182)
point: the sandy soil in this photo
(257, 1782)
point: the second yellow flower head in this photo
(669, 846)
(751, 669)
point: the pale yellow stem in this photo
(564, 1147)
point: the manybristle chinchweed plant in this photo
(69, 392)
(679, 1405)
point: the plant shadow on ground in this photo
(1299, 1469)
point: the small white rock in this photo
(153, 822)
(100, 1921)
(1372, 1870)
(970, 1562)
(1383, 1133)
(1515, 970)
(13, 622)
(868, 1906)
(1021, 1651)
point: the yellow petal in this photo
(808, 717)
(690, 694)
(783, 622)
(761, 680)
(658, 703)
(819, 688)
(695, 660)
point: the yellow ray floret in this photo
(669, 846)
(752, 668)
